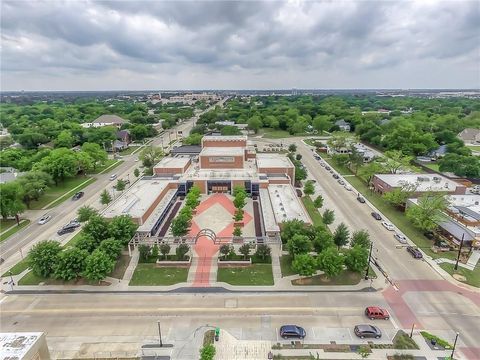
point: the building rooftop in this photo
(267, 212)
(222, 151)
(173, 162)
(115, 119)
(425, 182)
(285, 203)
(186, 149)
(224, 138)
(15, 346)
(148, 225)
(273, 161)
(138, 198)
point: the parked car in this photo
(113, 177)
(400, 238)
(374, 312)
(299, 192)
(360, 199)
(78, 195)
(322, 164)
(376, 216)
(335, 176)
(44, 219)
(292, 331)
(327, 168)
(442, 246)
(417, 254)
(341, 182)
(348, 187)
(70, 227)
(367, 331)
(388, 226)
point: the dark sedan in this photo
(360, 199)
(415, 252)
(367, 331)
(376, 216)
(78, 195)
(292, 331)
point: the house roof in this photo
(122, 134)
(457, 230)
(114, 119)
(187, 149)
(342, 122)
(469, 134)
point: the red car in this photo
(374, 312)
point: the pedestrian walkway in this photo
(204, 265)
(473, 259)
(228, 347)
(453, 262)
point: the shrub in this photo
(207, 352)
(144, 251)
(181, 251)
(44, 256)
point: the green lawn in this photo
(120, 267)
(31, 279)
(62, 192)
(473, 147)
(473, 277)
(73, 240)
(433, 166)
(110, 164)
(129, 150)
(18, 268)
(398, 218)
(346, 277)
(313, 212)
(6, 223)
(14, 229)
(255, 274)
(286, 265)
(150, 275)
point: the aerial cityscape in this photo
(240, 180)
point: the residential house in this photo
(343, 125)
(470, 136)
(8, 174)
(106, 120)
(124, 136)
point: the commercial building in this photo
(383, 183)
(223, 163)
(24, 346)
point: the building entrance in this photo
(219, 186)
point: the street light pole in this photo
(369, 259)
(11, 280)
(454, 344)
(411, 332)
(160, 333)
(459, 251)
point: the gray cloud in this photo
(232, 44)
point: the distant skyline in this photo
(122, 45)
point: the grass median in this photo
(12, 230)
(313, 212)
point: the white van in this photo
(113, 177)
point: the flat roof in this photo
(222, 151)
(17, 345)
(273, 161)
(286, 204)
(173, 162)
(148, 225)
(138, 198)
(425, 182)
(267, 212)
(224, 138)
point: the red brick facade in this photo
(215, 162)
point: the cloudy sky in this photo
(102, 45)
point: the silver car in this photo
(44, 219)
(400, 238)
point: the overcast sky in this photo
(89, 45)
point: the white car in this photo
(388, 226)
(400, 238)
(348, 187)
(44, 219)
(113, 177)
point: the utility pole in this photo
(459, 252)
(454, 345)
(369, 259)
(160, 333)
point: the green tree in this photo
(207, 352)
(111, 247)
(225, 250)
(70, 263)
(323, 240)
(368, 170)
(309, 188)
(341, 234)
(263, 251)
(240, 197)
(98, 265)
(328, 216)
(180, 225)
(144, 252)
(85, 213)
(122, 228)
(151, 155)
(136, 172)
(299, 244)
(34, 184)
(298, 157)
(330, 262)
(322, 123)
(193, 139)
(64, 139)
(304, 265)
(105, 197)
(398, 196)
(428, 212)
(87, 243)
(44, 257)
(245, 250)
(255, 123)
(237, 231)
(292, 148)
(460, 165)
(182, 250)
(11, 199)
(318, 202)
(361, 238)
(59, 163)
(84, 162)
(121, 185)
(193, 197)
(341, 140)
(396, 160)
(292, 227)
(165, 250)
(96, 152)
(356, 258)
(97, 227)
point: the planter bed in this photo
(172, 262)
(234, 263)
